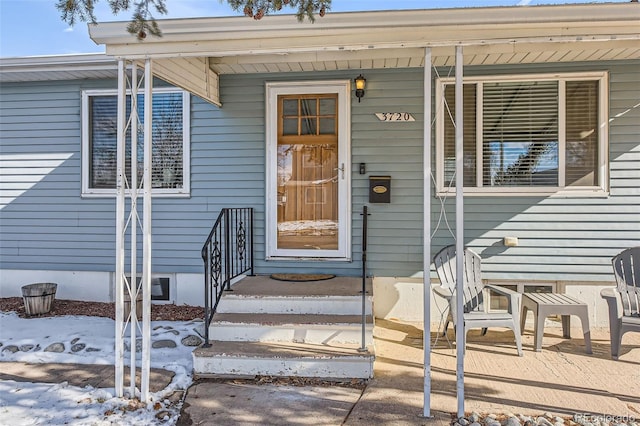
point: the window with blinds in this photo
(537, 133)
(169, 172)
(520, 134)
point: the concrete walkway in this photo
(561, 380)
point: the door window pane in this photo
(307, 197)
(307, 173)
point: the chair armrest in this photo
(612, 297)
(443, 292)
(501, 290)
(513, 296)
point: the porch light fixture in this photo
(360, 83)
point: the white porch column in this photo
(133, 251)
(121, 121)
(459, 232)
(146, 232)
(127, 189)
(426, 249)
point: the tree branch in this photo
(143, 21)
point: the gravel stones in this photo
(547, 419)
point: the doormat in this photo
(302, 277)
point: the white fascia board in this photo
(58, 63)
(368, 30)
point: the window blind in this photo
(520, 133)
(167, 141)
(582, 133)
(469, 135)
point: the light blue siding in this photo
(45, 224)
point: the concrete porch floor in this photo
(264, 285)
(561, 379)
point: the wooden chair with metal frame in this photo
(476, 313)
(624, 300)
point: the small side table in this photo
(545, 304)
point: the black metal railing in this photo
(227, 254)
(365, 226)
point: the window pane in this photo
(520, 134)
(167, 141)
(328, 126)
(167, 138)
(308, 126)
(538, 289)
(103, 132)
(582, 133)
(308, 106)
(327, 106)
(469, 135)
(290, 107)
(290, 126)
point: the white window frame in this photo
(601, 190)
(272, 91)
(185, 191)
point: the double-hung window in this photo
(529, 135)
(170, 142)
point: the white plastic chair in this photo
(476, 313)
(624, 300)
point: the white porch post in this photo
(146, 234)
(120, 228)
(126, 278)
(133, 252)
(426, 249)
(460, 337)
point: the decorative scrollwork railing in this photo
(227, 254)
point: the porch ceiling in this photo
(508, 53)
(192, 53)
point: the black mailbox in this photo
(379, 189)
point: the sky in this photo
(26, 403)
(34, 27)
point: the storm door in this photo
(308, 191)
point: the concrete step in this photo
(294, 304)
(316, 329)
(242, 359)
(261, 294)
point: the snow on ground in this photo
(23, 403)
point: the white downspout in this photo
(426, 248)
(459, 232)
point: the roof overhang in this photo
(192, 53)
(59, 67)
(383, 39)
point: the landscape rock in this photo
(78, 347)
(55, 347)
(11, 348)
(26, 348)
(159, 344)
(192, 340)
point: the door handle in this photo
(341, 168)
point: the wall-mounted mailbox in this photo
(379, 189)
